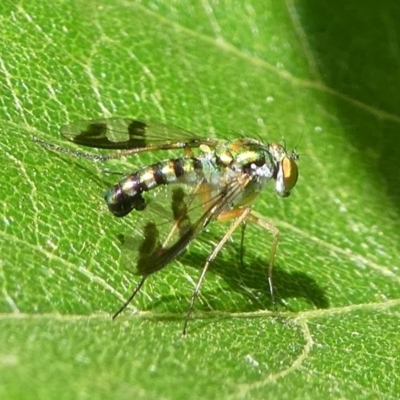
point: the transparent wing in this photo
(130, 134)
(173, 218)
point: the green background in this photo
(323, 76)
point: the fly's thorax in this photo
(261, 162)
(240, 152)
(248, 156)
(287, 171)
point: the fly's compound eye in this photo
(290, 172)
(287, 175)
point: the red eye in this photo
(290, 172)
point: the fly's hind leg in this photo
(134, 293)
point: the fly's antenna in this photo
(300, 139)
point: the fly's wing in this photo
(130, 134)
(173, 218)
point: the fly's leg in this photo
(73, 153)
(119, 153)
(137, 288)
(261, 222)
(240, 215)
(241, 253)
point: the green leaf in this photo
(321, 75)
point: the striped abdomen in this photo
(126, 195)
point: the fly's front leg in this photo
(261, 222)
(240, 215)
(241, 253)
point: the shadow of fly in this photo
(175, 199)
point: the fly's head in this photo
(287, 171)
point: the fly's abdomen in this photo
(127, 194)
